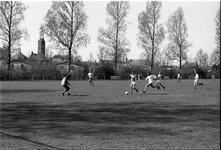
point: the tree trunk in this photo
(9, 59)
(152, 57)
(180, 57)
(69, 62)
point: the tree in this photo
(65, 24)
(4, 53)
(217, 37)
(178, 45)
(11, 15)
(113, 39)
(91, 57)
(201, 58)
(151, 32)
(101, 54)
(215, 57)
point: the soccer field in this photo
(35, 115)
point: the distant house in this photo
(39, 58)
(19, 56)
(76, 70)
(59, 59)
(3, 65)
(21, 65)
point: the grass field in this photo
(35, 115)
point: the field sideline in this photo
(35, 115)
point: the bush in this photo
(105, 72)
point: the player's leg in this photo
(162, 86)
(92, 82)
(199, 83)
(151, 84)
(195, 83)
(89, 80)
(68, 88)
(131, 88)
(134, 87)
(157, 85)
(145, 88)
(64, 91)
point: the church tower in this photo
(41, 44)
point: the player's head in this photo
(160, 72)
(133, 71)
(149, 73)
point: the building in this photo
(77, 71)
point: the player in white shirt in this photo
(178, 77)
(90, 77)
(159, 78)
(65, 84)
(196, 80)
(133, 78)
(150, 78)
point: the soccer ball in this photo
(126, 92)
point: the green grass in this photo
(36, 115)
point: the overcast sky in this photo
(199, 16)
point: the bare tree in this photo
(65, 24)
(91, 57)
(217, 37)
(151, 32)
(178, 43)
(215, 57)
(11, 15)
(101, 54)
(113, 39)
(201, 58)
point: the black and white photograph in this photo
(110, 75)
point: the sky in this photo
(199, 16)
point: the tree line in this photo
(65, 24)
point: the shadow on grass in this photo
(98, 119)
(4, 91)
(157, 93)
(79, 95)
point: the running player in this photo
(196, 81)
(133, 78)
(150, 78)
(65, 84)
(90, 77)
(159, 77)
(178, 77)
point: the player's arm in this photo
(137, 77)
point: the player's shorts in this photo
(133, 83)
(66, 87)
(195, 81)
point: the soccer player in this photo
(133, 78)
(150, 78)
(159, 77)
(178, 77)
(90, 77)
(213, 77)
(196, 81)
(65, 84)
